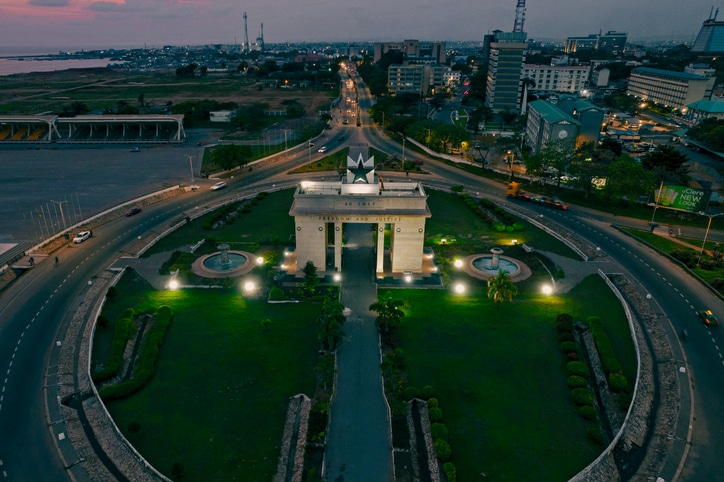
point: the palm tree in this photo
(501, 288)
(389, 313)
(331, 318)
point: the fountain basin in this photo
(232, 264)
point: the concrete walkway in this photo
(359, 446)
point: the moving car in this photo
(709, 318)
(133, 211)
(218, 185)
(322, 149)
(82, 236)
(135, 149)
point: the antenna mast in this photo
(246, 36)
(519, 16)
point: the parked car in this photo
(82, 236)
(135, 149)
(133, 211)
(218, 185)
(708, 317)
(322, 149)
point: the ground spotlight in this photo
(458, 263)
(459, 288)
(337, 277)
(173, 285)
(260, 260)
(547, 289)
(249, 287)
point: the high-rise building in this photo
(414, 78)
(414, 51)
(503, 91)
(710, 40)
(557, 78)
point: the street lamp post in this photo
(62, 216)
(191, 165)
(706, 234)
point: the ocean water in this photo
(27, 64)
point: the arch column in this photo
(338, 227)
(380, 248)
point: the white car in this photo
(82, 236)
(218, 185)
(322, 149)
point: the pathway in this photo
(359, 446)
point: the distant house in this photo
(705, 109)
(220, 116)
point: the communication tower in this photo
(519, 16)
(246, 36)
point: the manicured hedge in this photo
(577, 368)
(435, 414)
(603, 345)
(587, 412)
(617, 382)
(450, 472)
(438, 431)
(121, 333)
(569, 346)
(442, 450)
(146, 362)
(575, 381)
(276, 294)
(582, 396)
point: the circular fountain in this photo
(225, 263)
(483, 266)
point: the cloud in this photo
(49, 3)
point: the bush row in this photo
(507, 221)
(577, 371)
(121, 333)
(440, 443)
(617, 382)
(146, 362)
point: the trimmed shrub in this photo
(146, 363)
(582, 396)
(518, 226)
(121, 333)
(438, 431)
(577, 368)
(603, 345)
(566, 336)
(564, 323)
(575, 381)
(594, 435)
(617, 382)
(427, 392)
(569, 346)
(450, 472)
(442, 450)
(433, 402)
(435, 414)
(498, 226)
(587, 412)
(276, 294)
(412, 392)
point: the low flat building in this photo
(669, 88)
(557, 78)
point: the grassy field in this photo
(218, 400)
(498, 375)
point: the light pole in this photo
(191, 165)
(285, 138)
(60, 205)
(706, 234)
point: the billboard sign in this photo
(682, 198)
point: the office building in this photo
(414, 78)
(563, 78)
(672, 89)
(610, 42)
(414, 51)
(572, 119)
(710, 40)
(503, 91)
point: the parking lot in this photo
(37, 183)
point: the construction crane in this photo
(519, 16)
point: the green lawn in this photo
(498, 374)
(218, 400)
(268, 222)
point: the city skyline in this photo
(58, 24)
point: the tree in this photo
(501, 288)
(331, 319)
(667, 164)
(310, 282)
(627, 179)
(389, 312)
(558, 155)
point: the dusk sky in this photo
(57, 24)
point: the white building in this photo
(557, 78)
